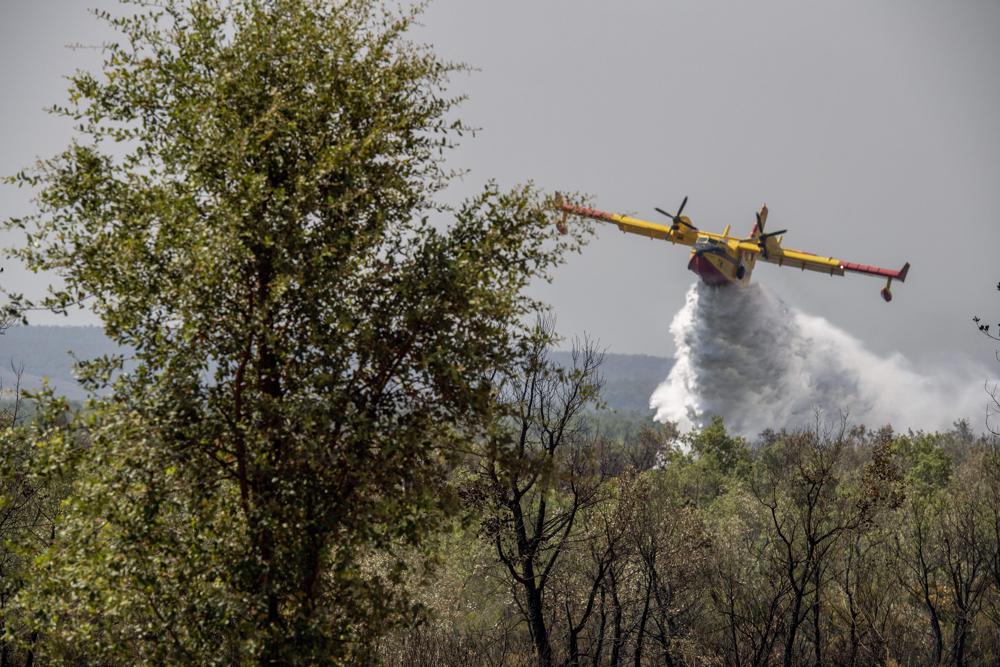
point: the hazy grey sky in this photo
(869, 128)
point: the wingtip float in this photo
(722, 259)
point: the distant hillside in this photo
(45, 351)
(629, 379)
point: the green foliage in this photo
(711, 460)
(251, 208)
(34, 483)
(718, 450)
(816, 548)
(925, 463)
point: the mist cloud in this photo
(744, 354)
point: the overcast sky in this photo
(869, 128)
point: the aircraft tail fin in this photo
(758, 226)
(902, 273)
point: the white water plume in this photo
(745, 355)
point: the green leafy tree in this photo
(714, 461)
(32, 487)
(719, 450)
(925, 463)
(250, 207)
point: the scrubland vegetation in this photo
(572, 537)
(339, 439)
(830, 545)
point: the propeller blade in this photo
(770, 234)
(676, 217)
(760, 227)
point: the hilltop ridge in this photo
(49, 351)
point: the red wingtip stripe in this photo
(587, 212)
(877, 270)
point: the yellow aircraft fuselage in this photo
(721, 259)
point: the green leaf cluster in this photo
(251, 206)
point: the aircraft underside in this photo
(707, 270)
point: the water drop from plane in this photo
(745, 355)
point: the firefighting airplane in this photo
(721, 259)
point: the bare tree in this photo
(992, 390)
(541, 474)
(799, 485)
(921, 573)
(583, 586)
(750, 593)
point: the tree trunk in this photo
(642, 627)
(817, 636)
(958, 643)
(574, 649)
(616, 633)
(793, 629)
(29, 660)
(540, 634)
(935, 628)
(601, 628)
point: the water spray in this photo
(743, 354)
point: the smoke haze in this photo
(745, 355)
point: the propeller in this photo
(676, 217)
(762, 240)
(762, 237)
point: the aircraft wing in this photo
(799, 259)
(775, 254)
(628, 224)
